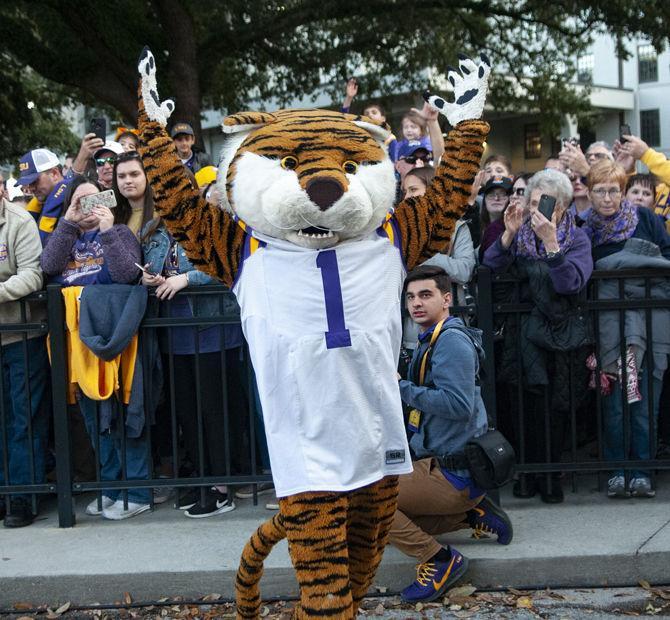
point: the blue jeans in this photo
(110, 445)
(25, 454)
(614, 445)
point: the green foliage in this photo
(30, 113)
(238, 54)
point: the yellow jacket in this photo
(95, 377)
(659, 165)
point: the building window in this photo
(532, 142)
(650, 125)
(585, 68)
(647, 63)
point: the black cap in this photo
(503, 182)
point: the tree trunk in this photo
(179, 32)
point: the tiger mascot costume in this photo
(310, 242)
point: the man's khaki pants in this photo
(428, 504)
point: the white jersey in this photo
(324, 332)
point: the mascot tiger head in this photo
(311, 177)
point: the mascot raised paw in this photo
(311, 243)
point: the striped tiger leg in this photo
(371, 511)
(316, 525)
(248, 596)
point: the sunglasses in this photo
(412, 159)
(101, 161)
(519, 191)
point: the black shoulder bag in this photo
(490, 457)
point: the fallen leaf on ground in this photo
(63, 608)
(419, 606)
(379, 609)
(524, 602)
(211, 597)
(461, 591)
(264, 611)
(127, 599)
(518, 592)
(23, 606)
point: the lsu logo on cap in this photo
(24, 165)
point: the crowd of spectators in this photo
(57, 225)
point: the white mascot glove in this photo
(470, 88)
(156, 111)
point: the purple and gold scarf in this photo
(528, 244)
(612, 228)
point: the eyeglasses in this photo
(601, 193)
(412, 159)
(519, 191)
(101, 161)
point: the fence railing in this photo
(208, 407)
(568, 424)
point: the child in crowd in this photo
(641, 190)
(127, 138)
(88, 248)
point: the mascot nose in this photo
(324, 192)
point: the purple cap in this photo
(407, 148)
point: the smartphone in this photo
(99, 128)
(105, 199)
(546, 206)
(145, 270)
(624, 130)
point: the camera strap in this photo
(415, 415)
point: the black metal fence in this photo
(566, 423)
(556, 426)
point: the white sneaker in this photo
(116, 511)
(616, 487)
(93, 510)
(272, 503)
(641, 487)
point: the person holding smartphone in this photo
(551, 257)
(87, 247)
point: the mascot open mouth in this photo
(313, 232)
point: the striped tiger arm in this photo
(426, 223)
(210, 236)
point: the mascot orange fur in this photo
(310, 242)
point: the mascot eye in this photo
(350, 167)
(289, 162)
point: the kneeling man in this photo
(447, 411)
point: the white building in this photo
(634, 92)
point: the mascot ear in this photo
(246, 121)
(379, 131)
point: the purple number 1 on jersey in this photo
(337, 335)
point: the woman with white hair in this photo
(551, 258)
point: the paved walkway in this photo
(586, 541)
